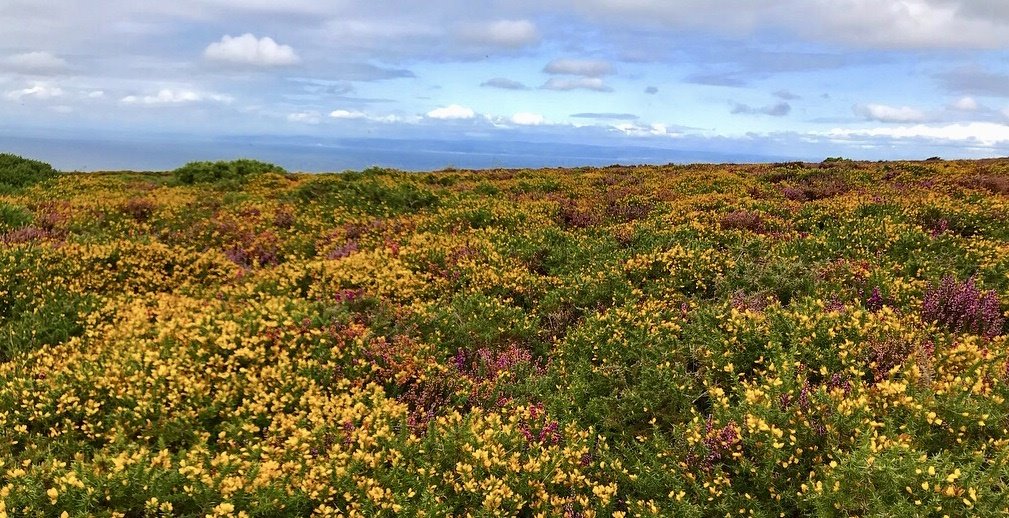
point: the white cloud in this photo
(884, 113)
(249, 50)
(579, 67)
(96, 94)
(36, 91)
(966, 104)
(391, 119)
(504, 84)
(308, 117)
(347, 114)
(168, 96)
(579, 83)
(892, 24)
(383, 119)
(527, 119)
(36, 62)
(502, 33)
(982, 133)
(655, 129)
(452, 112)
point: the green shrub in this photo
(34, 309)
(367, 193)
(210, 172)
(16, 171)
(13, 217)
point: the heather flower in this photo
(343, 250)
(885, 354)
(961, 306)
(875, 301)
(743, 220)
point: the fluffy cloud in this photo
(347, 114)
(36, 91)
(168, 96)
(979, 133)
(965, 104)
(36, 63)
(580, 83)
(249, 50)
(579, 67)
(527, 119)
(608, 116)
(308, 117)
(884, 113)
(892, 24)
(786, 95)
(354, 115)
(502, 33)
(974, 80)
(774, 110)
(651, 90)
(504, 84)
(451, 112)
(655, 129)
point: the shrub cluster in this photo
(16, 171)
(632, 341)
(13, 217)
(961, 306)
(210, 172)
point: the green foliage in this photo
(17, 172)
(233, 170)
(34, 310)
(705, 340)
(370, 192)
(13, 217)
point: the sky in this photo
(138, 83)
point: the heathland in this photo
(231, 339)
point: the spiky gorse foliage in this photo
(789, 339)
(18, 172)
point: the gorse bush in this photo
(16, 171)
(705, 340)
(371, 192)
(210, 172)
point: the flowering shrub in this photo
(743, 220)
(961, 306)
(698, 340)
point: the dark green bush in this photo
(16, 171)
(367, 193)
(13, 217)
(210, 172)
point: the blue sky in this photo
(789, 78)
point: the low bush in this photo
(961, 307)
(743, 220)
(13, 217)
(367, 192)
(211, 172)
(17, 172)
